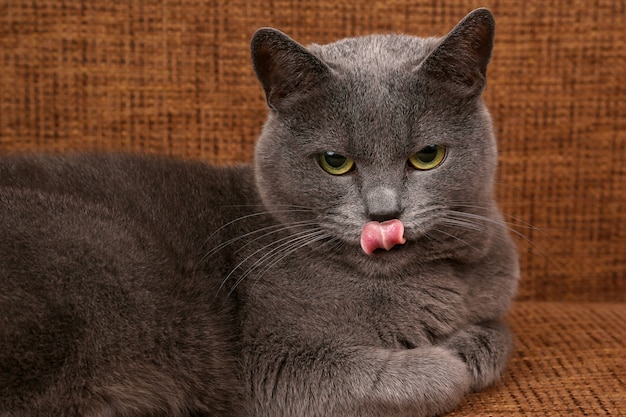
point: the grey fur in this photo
(138, 286)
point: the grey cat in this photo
(361, 267)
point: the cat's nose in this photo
(382, 204)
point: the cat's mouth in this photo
(382, 236)
(383, 252)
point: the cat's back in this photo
(178, 203)
(104, 306)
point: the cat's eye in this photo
(428, 157)
(335, 164)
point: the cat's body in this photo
(105, 305)
(144, 286)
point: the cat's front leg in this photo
(485, 348)
(344, 381)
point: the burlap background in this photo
(173, 77)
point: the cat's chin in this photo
(387, 265)
(380, 263)
(380, 252)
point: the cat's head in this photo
(378, 128)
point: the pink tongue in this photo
(383, 235)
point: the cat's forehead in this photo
(375, 53)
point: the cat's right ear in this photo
(286, 69)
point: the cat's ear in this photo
(286, 69)
(460, 60)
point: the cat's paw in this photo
(485, 349)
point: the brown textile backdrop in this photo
(174, 77)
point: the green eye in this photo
(335, 164)
(428, 157)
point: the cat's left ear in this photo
(286, 69)
(460, 60)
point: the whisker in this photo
(289, 251)
(278, 242)
(464, 216)
(236, 238)
(456, 238)
(273, 243)
(515, 221)
(277, 228)
(290, 242)
(277, 205)
(285, 226)
(249, 216)
(339, 244)
(463, 224)
(468, 217)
